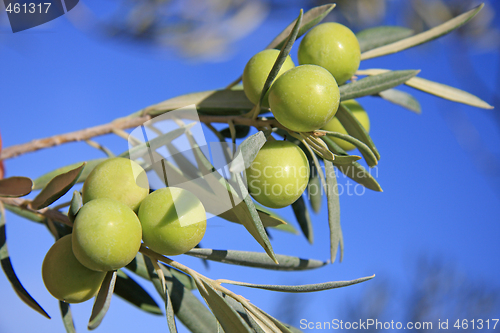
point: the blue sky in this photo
(437, 201)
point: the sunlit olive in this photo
(117, 178)
(106, 235)
(65, 277)
(278, 175)
(332, 46)
(335, 126)
(257, 70)
(304, 98)
(173, 221)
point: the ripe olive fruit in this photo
(65, 277)
(173, 220)
(117, 178)
(278, 175)
(304, 98)
(106, 235)
(332, 46)
(334, 125)
(256, 71)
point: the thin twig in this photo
(121, 124)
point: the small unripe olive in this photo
(332, 46)
(106, 235)
(334, 125)
(65, 277)
(304, 98)
(117, 178)
(257, 70)
(173, 221)
(278, 175)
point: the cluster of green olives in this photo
(117, 213)
(303, 99)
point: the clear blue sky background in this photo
(437, 201)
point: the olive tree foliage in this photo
(177, 283)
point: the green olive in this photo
(106, 235)
(332, 46)
(173, 221)
(278, 175)
(335, 126)
(117, 178)
(65, 277)
(304, 98)
(257, 70)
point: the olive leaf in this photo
(314, 193)
(353, 170)
(67, 317)
(187, 307)
(302, 214)
(226, 315)
(14, 187)
(132, 292)
(247, 151)
(423, 37)
(57, 187)
(332, 196)
(256, 259)
(379, 36)
(285, 50)
(9, 270)
(401, 98)
(306, 288)
(374, 84)
(102, 300)
(367, 153)
(356, 130)
(74, 206)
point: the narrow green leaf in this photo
(310, 19)
(75, 205)
(102, 300)
(256, 259)
(9, 270)
(379, 36)
(374, 84)
(306, 288)
(437, 89)
(302, 214)
(285, 50)
(187, 307)
(187, 167)
(423, 37)
(247, 151)
(27, 214)
(241, 131)
(134, 293)
(270, 218)
(56, 188)
(355, 129)
(341, 157)
(401, 98)
(226, 315)
(67, 317)
(355, 171)
(212, 102)
(314, 194)
(172, 326)
(332, 197)
(42, 181)
(251, 220)
(14, 187)
(367, 153)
